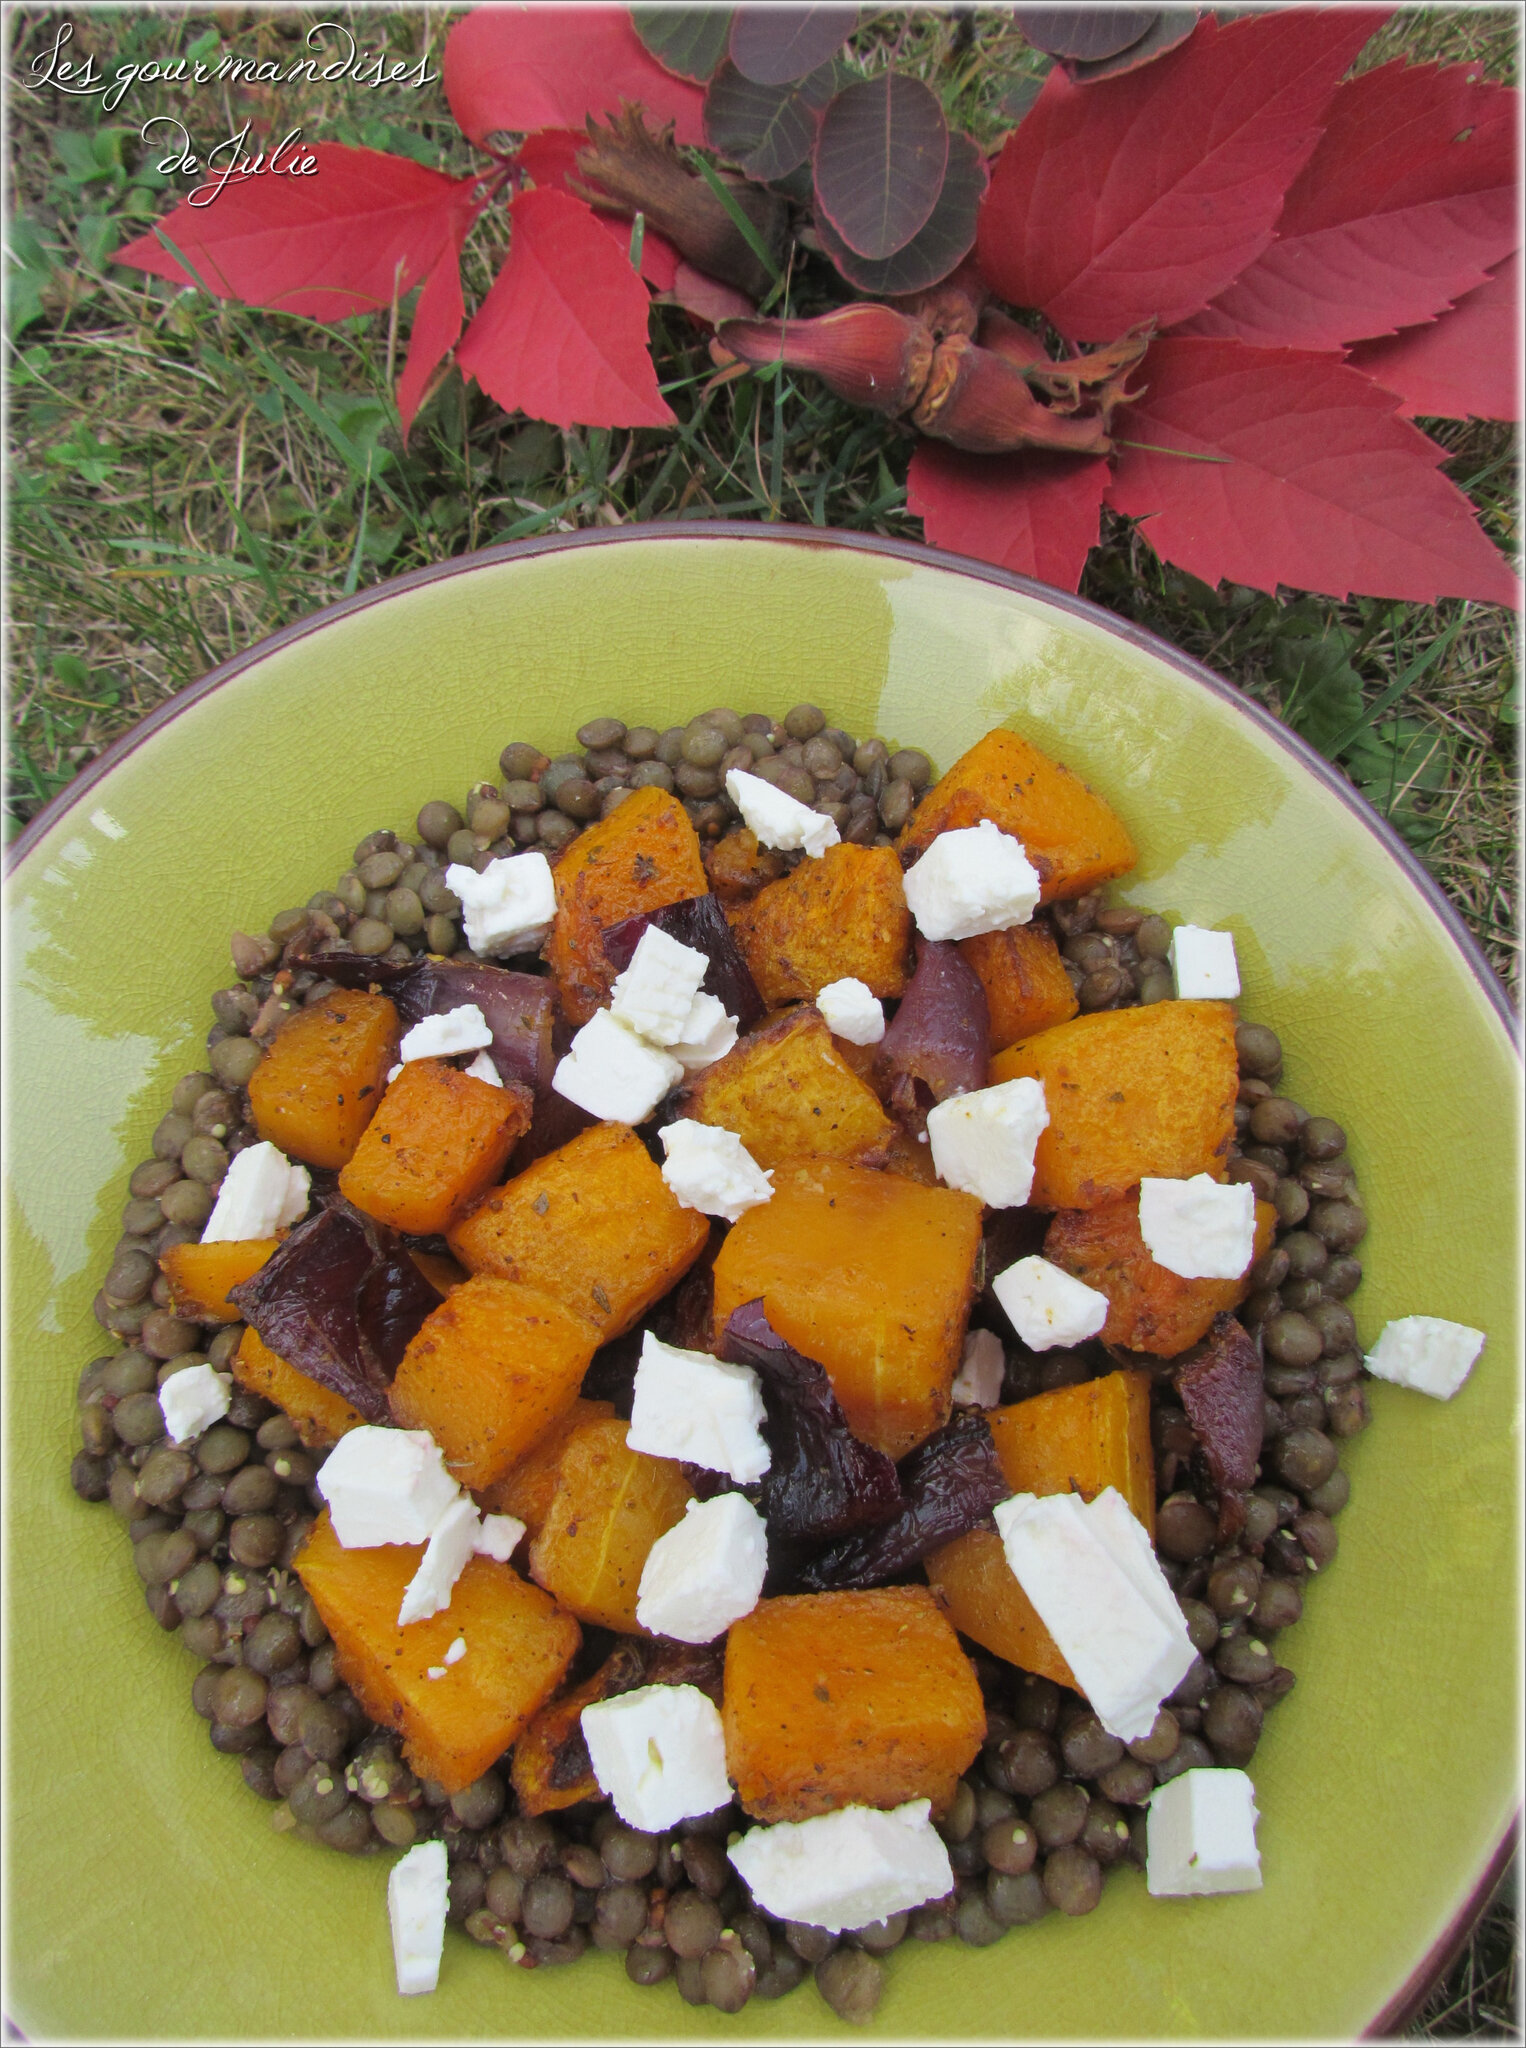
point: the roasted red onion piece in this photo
(1222, 1392)
(939, 1041)
(699, 922)
(519, 1009)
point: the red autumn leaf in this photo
(562, 333)
(550, 158)
(1033, 513)
(342, 241)
(437, 322)
(707, 298)
(1409, 199)
(1313, 479)
(1463, 365)
(1139, 198)
(517, 69)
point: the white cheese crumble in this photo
(462, 1029)
(655, 994)
(659, 1753)
(1426, 1353)
(983, 1366)
(613, 1074)
(1202, 1229)
(778, 819)
(710, 1031)
(192, 1399)
(1201, 1835)
(846, 1868)
(686, 1404)
(482, 1069)
(1203, 963)
(706, 1572)
(983, 1142)
(418, 1893)
(1049, 1307)
(385, 1486)
(509, 907)
(852, 1011)
(711, 1170)
(499, 1537)
(262, 1192)
(451, 1542)
(974, 879)
(456, 1651)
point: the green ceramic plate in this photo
(148, 1897)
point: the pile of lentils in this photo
(1053, 1801)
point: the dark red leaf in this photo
(881, 152)
(940, 246)
(767, 129)
(1465, 364)
(688, 41)
(562, 333)
(1084, 32)
(550, 158)
(363, 227)
(437, 320)
(1171, 26)
(1407, 202)
(1313, 479)
(1033, 513)
(516, 69)
(938, 1043)
(778, 45)
(1139, 198)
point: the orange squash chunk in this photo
(1150, 1308)
(1129, 1093)
(871, 1275)
(844, 1699)
(319, 1084)
(844, 914)
(1074, 839)
(972, 1578)
(518, 1646)
(789, 1093)
(593, 1223)
(738, 867)
(201, 1274)
(319, 1415)
(439, 1139)
(1027, 988)
(643, 855)
(610, 1506)
(489, 1371)
(528, 1488)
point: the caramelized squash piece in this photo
(442, 1273)
(551, 1767)
(610, 1506)
(1129, 1093)
(593, 1223)
(842, 915)
(644, 854)
(1074, 839)
(201, 1274)
(843, 1699)
(738, 867)
(322, 1078)
(528, 1488)
(1027, 988)
(439, 1139)
(788, 1093)
(489, 1372)
(1150, 1307)
(518, 1646)
(319, 1415)
(872, 1276)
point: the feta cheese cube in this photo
(705, 1573)
(451, 1542)
(482, 1069)
(777, 818)
(1048, 1306)
(710, 1031)
(982, 1368)
(972, 880)
(509, 907)
(1201, 1228)
(711, 1170)
(1201, 1835)
(1426, 1353)
(655, 994)
(418, 1893)
(613, 1074)
(435, 1671)
(1204, 963)
(846, 1868)
(660, 1754)
(852, 1011)
(686, 1404)
(385, 1486)
(456, 1651)
(983, 1142)
(262, 1192)
(498, 1537)
(192, 1399)
(1097, 1587)
(462, 1029)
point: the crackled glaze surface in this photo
(1384, 1781)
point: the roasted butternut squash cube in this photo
(738, 867)
(489, 1372)
(1150, 1308)
(1129, 1093)
(319, 1415)
(551, 1767)
(984, 1601)
(1027, 988)
(643, 855)
(321, 1080)
(871, 1275)
(518, 1646)
(528, 1488)
(201, 1274)
(593, 1223)
(610, 1506)
(1074, 839)
(438, 1141)
(788, 1093)
(842, 915)
(848, 1699)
